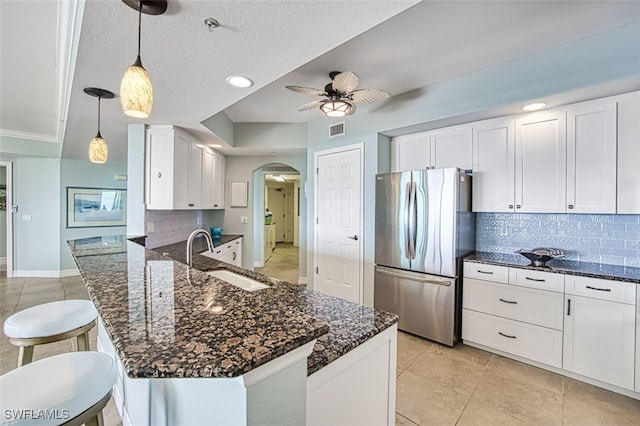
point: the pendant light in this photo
(136, 92)
(98, 150)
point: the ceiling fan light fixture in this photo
(136, 92)
(336, 108)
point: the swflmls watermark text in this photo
(25, 413)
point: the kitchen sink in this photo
(238, 280)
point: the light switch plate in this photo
(26, 218)
(243, 219)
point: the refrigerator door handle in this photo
(412, 220)
(446, 283)
(407, 225)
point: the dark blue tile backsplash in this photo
(610, 239)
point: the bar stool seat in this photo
(50, 322)
(71, 388)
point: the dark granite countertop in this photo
(168, 320)
(568, 267)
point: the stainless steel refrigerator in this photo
(424, 227)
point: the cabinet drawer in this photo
(538, 307)
(528, 341)
(486, 272)
(596, 288)
(536, 279)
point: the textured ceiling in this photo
(274, 42)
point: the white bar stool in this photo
(50, 322)
(67, 389)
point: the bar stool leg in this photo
(83, 342)
(25, 355)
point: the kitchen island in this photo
(197, 350)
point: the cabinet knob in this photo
(518, 206)
(510, 206)
(159, 174)
(191, 204)
(570, 206)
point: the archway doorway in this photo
(278, 222)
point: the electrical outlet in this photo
(150, 227)
(243, 219)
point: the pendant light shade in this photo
(98, 150)
(136, 92)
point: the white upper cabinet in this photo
(628, 153)
(452, 147)
(411, 152)
(591, 157)
(448, 147)
(218, 181)
(180, 172)
(540, 169)
(493, 165)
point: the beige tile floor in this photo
(436, 385)
(283, 263)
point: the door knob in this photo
(355, 238)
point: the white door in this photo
(277, 206)
(338, 235)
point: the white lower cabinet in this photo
(581, 325)
(230, 252)
(599, 334)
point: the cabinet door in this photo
(452, 147)
(599, 340)
(218, 182)
(195, 177)
(208, 178)
(591, 157)
(541, 162)
(181, 155)
(493, 166)
(628, 154)
(159, 165)
(411, 152)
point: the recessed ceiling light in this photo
(239, 81)
(534, 107)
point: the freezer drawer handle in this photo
(535, 279)
(484, 272)
(512, 302)
(506, 335)
(407, 277)
(599, 289)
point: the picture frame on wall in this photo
(96, 207)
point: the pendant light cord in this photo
(139, 24)
(99, 135)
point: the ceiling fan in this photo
(341, 94)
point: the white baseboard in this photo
(45, 274)
(258, 264)
(302, 280)
(3, 263)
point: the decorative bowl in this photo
(539, 256)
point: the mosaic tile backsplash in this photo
(610, 239)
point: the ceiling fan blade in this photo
(310, 105)
(368, 96)
(307, 90)
(345, 82)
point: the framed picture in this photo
(96, 207)
(239, 193)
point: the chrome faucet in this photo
(193, 235)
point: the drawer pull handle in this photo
(599, 289)
(484, 272)
(506, 335)
(535, 279)
(568, 307)
(512, 302)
